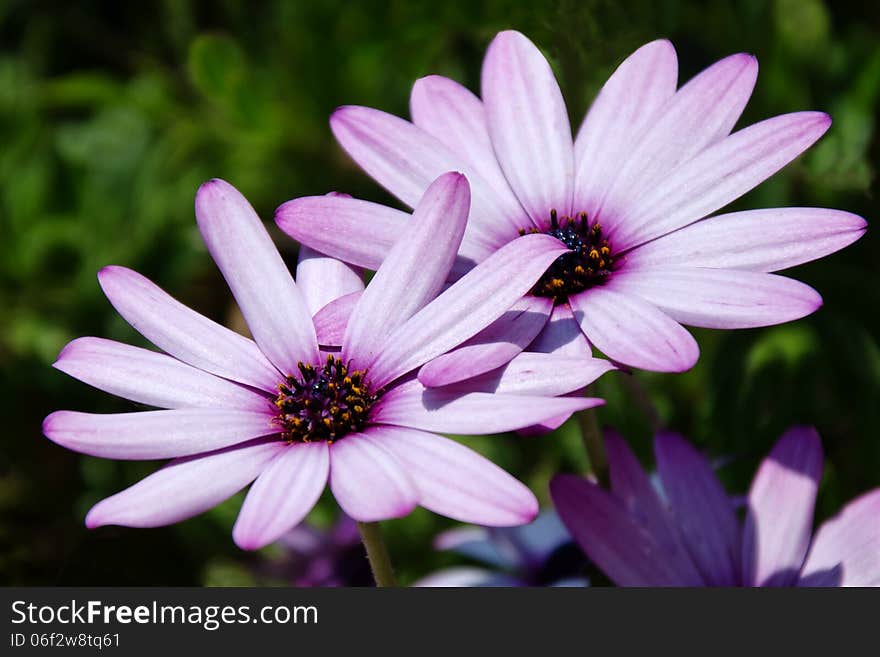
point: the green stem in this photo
(591, 434)
(642, 400)
(377, 553)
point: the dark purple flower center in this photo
(323, 404)
(589, 261)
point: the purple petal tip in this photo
(341, 112)
(247, 543)
(93, 517)
(47, 424)
(212, 187)
(108, 270)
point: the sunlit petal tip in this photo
(108, 272)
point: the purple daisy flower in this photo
(688, 534)
(541, 553)
(280, 410)
(628, 197)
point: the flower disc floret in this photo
(323, 404)
(589, 261)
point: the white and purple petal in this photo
(405, 160)
(455, 481)
(369, 482)
(537, 374)
(632, 331)
(184, 488)
(492, 347)
(719, 298)
(184, 333)
(529, 126)
(358, 232)
(282, 495)
(757, 240)
(323, 279)
(151, 378)
(332, 320)
(562, 336)
(454, 115)
(413, 272)
(273, 307)
(445, 410)
(779, 520)
(716, 176)
(846, 548)
(472, 303)
(155, 434)
(627, 104)
(701, 113)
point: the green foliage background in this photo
(111, 114)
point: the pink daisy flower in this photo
(690, 535)
(284, 413)
(629, 197)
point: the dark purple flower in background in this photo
(630, 197)
(541, 553)
(316, 556)
(290, 416)
(688, 533)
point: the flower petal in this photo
(703, 511)
(455, 481)
(282, 495)
(547, 425)
(446, 411)
(272, 305)
(466, 576)
(629, 102)
(529, 125)
(701, 113)
(185, 487)
(369, 482)
(454, 115)
(332, 320)
(323, 279)
(479, 544)
(631, 331)
(780, 515)
(492, 347)
(358, 232)
(716, 176)
(472, 303)
(846, 549)
(184, 333)
(405, 160)
(719, 298)
(537, 541)
(611, 537)
(151, 378)
(155, 434)
(757, 240)
(562, 336)
(537, 374)
(631, 486)
(414, 270)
